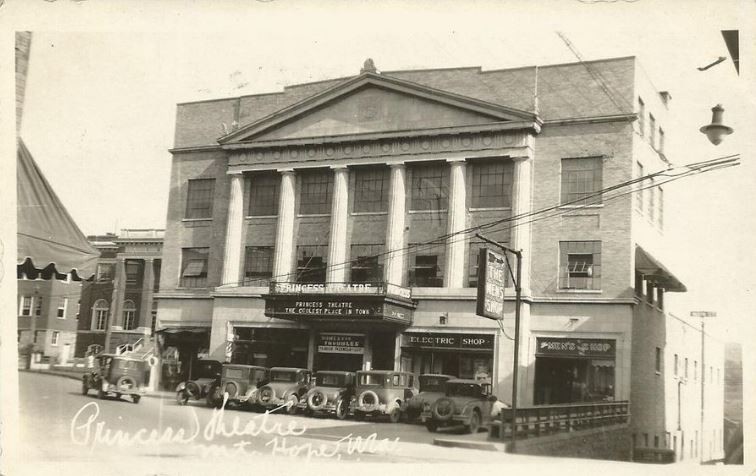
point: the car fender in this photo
(180, 386)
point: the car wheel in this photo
(342, 409)
(474, 423)
(182, 397)
(431, 425)
(84, 387)
(136, 398)
(291, 404)
(395, 415)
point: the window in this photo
(656, 441)
(104, 272)
(652, 130)
(658, 364)
(311, 263)
(129, 315)
(258, 265)
(695, 370)
(675, 367)
(426, 265)
(100, 314)
(641, 116)
(686, 367)
(26, 305)
(651, 201)
(661, 140)
(38, 306)
(660, 207)
(371, 189)
(315, 194)
(194, 267)
(639, 194)
(367, 263)
(492, 184)
(132, 273)
(581, 181)
(580, 265)
(645, 440)
(54, 338)
(62, 305)
(199, 198)
(430, 187)
(35, 337)
(264, 193)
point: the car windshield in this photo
(330, 380)
(279, 376)
(205, 370)
(432, 383)
(234, 373)
(463, 390)
(374, 379)
(257, 375)
(127, 364)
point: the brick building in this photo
(128, 273)
(303, 228)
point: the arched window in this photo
(100, 314)
(129, 315)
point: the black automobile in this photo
(241, 383)
(205, 376)
(332, 393)
(117, 374)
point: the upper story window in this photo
(580, 265)
(661, 140)
(194, 267)
(100, 314)
(129, 315)
(658, 364)
(426, 268)
(199, 198)
(38, 306)
(367, 263)
(639, 187)
(258, 265)
(105, 272)
(62, 305)
(660, 207)
(685, 368)
(492, 184)
(315, 193)
(652, 130)
(641, 116)
(581, 181)
(132, 273)
(264, 193)
(430, 187)
(311, 263)
(26, 305)
(651, 201)
(676, 364)
(371, 187)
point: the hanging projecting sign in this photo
(570, 347)
(492, 272)
(341, 343)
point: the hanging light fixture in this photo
(716, 130)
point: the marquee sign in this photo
(571, 347)
(376, 289)
(492, 272)
(337, 308)
(341, 343)
(432, 340)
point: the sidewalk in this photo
(76, 374)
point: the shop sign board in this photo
(376, 289)
(492, 272)
(341, 343)
(572, 347)
(448, 341)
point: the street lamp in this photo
(716, 130)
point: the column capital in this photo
(397, 165)
(520, 158)
(457, 161)
(285, 171)
(340, 167)
(235, 173)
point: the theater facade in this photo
(332, 225)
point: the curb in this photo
(165, 395)
(470, 445)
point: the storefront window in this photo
(458, 355)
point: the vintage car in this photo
(117, 374)
(241, 383)
(431, 389)
(332, 393)
(466, 402)
(204, 377)
(287, 386)
(382, 392)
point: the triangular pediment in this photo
(370, 104)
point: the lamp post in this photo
(702, 315)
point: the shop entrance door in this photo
(560, 380)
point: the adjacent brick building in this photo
(325, 226)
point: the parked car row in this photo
(436, 400)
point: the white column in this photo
(522, 203)
(395, 237)
(234, 226)
(336, 271)
(454, 274)
(285, 230)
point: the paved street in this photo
(59, 424)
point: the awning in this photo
(47, 235)
(653, 270)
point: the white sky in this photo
(104, 79)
